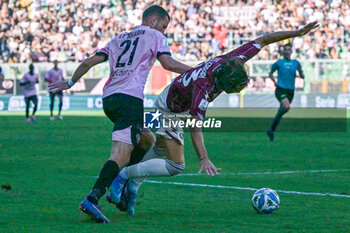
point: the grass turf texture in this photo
(50, 165)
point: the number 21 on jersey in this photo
(127, 44)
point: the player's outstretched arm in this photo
(278, 36)
(171, 64)
(82, 69)
(198, 143)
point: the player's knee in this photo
(174, 168)
(160, 141)
(120, 153)
(286, 107)
(147, 139)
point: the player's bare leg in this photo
(153, 166)
(173, 150)
(283, 109)
(120, 155)
(147, 141)
(285, 103)
(173, 165)
(164, 148)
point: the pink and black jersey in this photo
(193, 90)
(131, 55)
(29, 80)
(54, 75)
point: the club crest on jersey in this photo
(203, 104)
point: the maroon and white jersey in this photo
(29, 80)
(193, 90)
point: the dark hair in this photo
(31, 68)
(289, 44)
(155, 10)
(231, 76)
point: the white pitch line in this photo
(247, 188)
(270, 173)
(263, 173)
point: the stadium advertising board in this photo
(85, 102)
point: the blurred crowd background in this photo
(46, 30)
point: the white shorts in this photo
(175, 133)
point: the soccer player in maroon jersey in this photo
(191, 92)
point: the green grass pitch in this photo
(51, 166)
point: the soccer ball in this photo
(265, 201)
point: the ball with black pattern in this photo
(265, 201)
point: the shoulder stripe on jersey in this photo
(258, 46)
(163, 53)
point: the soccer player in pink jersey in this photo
(191, 93)
(131, 55)
(52, 76)
(28, 82)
